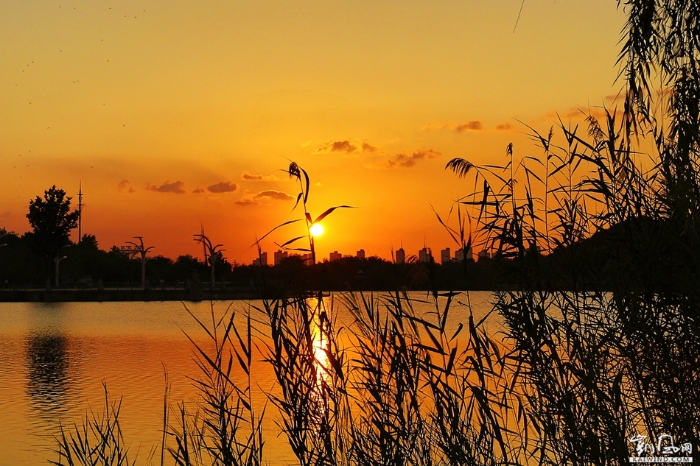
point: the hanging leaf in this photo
(297, 202)
(278, 226)
(290, 241)
(484, 200)
(327, 212)
(308, 184)
(447, 227)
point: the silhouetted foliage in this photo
(51, 221)
(89, 242)
(574, 375)
(592, 368)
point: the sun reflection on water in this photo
(321, 328)
(55, 360)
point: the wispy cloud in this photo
(273, 195)
(504, 127)
(336, 146)
(575, 113)
(620, 96)
(254, 177)
(474, 125)
(177, 187)
(249, 198)
(124, 186)
(366, 147)
(408, 160)
(199, 191)
(223, 187)
(345, 146)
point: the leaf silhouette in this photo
(328, 212)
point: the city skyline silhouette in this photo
(165, 133)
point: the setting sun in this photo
(316, 229)
(165, 167)
(122, 100)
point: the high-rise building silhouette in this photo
(459, 254)
(445, 256)
(361, 254)
(335, 256)
(262, 260)
(279, 255)
(425, 255)
(400, 256)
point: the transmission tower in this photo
(80, 213)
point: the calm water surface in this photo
(55, 358)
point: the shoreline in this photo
(115, 295)
(61, 295)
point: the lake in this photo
(56, 358)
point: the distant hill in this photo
(641, 254)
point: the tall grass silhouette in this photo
(601, 340)
(98, 440)
(225, 427)
(612, 358)
(296, 172)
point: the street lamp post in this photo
(214, 255)
(57, 260)
(142, 250)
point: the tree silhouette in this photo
(89, 243)
(51, 221)
(660, 59)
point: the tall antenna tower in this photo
(80, 212)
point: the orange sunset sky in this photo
(177, 112)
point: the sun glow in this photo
(316, 229)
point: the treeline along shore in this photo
(109, 295)
(622, 253)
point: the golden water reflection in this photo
(320, 327)
(56, 358)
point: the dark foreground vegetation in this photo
(643, 252)
(86, 267)
(580, 377)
